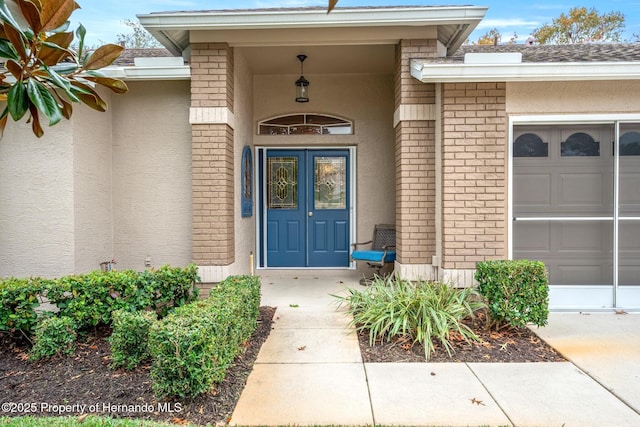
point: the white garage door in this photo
(571, 213)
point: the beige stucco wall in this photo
(36, 201)
(245, 228)
(368, 100)
(585, 97)
(93, 225)
(152, 175)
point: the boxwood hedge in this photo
(193, 347)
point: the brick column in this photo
(211, 117)
(474, 181)
(414, 122)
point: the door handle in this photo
(310, 213)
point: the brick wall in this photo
(212, 157)
(415, 160)
(408, 89)
(211, 75)
(415, 191)
(474, 181)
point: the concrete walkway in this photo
(310, 372)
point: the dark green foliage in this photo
(193, 347)
(422, 311)
(90, 299)
(19, 299)
(53, 335)
(517, 292)
(129, 337)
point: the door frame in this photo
(260, 220)
(572, 298)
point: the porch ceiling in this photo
(373, 59)
(307, 27)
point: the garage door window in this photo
(530, 145)
(580, 144)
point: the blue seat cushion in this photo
(373, 256)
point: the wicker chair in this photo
(381, 253)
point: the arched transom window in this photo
(305, 124)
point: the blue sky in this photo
(103, 20)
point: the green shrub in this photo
(517, 292)
(423, 311)
(129, 338)
(19, 299)
(193, 347)
(89, 299)
(171, 287)
(53, 335)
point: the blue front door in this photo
(307, 208)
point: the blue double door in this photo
(306, 195)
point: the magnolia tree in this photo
(42, 74)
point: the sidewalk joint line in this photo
(490, 394)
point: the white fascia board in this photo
(149, 73)
(255, 19)
(525, 72)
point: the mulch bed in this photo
(85, 378)
(507, 345)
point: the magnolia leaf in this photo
(6, 15)
(60, 82)
(54, 48)
(31, 13)
(81, 32)
(332, 4)
(78, 87)
(103, 56)
(88, 96)
(17, 100)
(56, 12)
(14, 68)
(35, 123)
(65, 67)
(116, 85)
(44, 101)
(3, 121)
(7, 50)
(17, 39)
(61, 39)
(67, 109)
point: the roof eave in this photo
(160, 25)
(128, 73)
(524, 72)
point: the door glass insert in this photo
(305, 124)
(282, 185)
(330, 182)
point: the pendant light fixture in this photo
(302, 84)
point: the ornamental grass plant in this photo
(424, 312)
